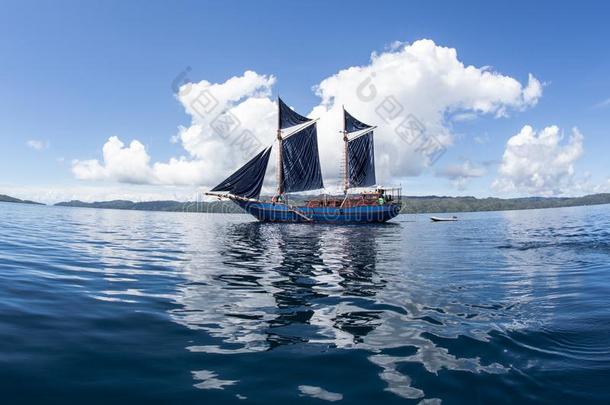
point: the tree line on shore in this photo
(410, 205)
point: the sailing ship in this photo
(299, 170)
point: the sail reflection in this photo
(283, 284)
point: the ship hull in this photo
(279, 212)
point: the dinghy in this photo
(439, 219)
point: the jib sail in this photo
(247, 181)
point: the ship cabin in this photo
(379, 196)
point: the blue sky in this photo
(73, 74)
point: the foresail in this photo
(289, 117)
(248, 180)
(361, 161)
(301, 161)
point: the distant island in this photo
(6, 198)
(168, 205)
(434, 204)
(411, 204)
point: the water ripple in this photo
(170, 305)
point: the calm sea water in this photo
(105, 306)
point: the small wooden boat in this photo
(439, 219)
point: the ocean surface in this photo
(108, 306)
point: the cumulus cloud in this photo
(126, 164)
(539, 163)
(412, 92)
(533, 91)
(37, 144)
(423, 80)
(460, 174)
(220, 111)
(228, 121)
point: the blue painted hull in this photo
(278, 212)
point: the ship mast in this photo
(280, 172)
(345, 156)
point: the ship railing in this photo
(391, 194)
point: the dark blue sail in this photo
(301, 161)
(361, 161)
(352, 124)
(248, 180)
(289, 117)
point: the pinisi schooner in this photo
(299, 170)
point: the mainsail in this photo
(361, 159)
(248, 180)
(360, 153)
(298, 156)
(301, 161)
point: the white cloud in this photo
(533, 91)
(465, 116)
(460, 174)
(228, 122)
(422, 79)
(241, 103)
(539, 162)
(425, 80)
(37, 144)
(124, 164)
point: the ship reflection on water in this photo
(322, 287)
(283, 284)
